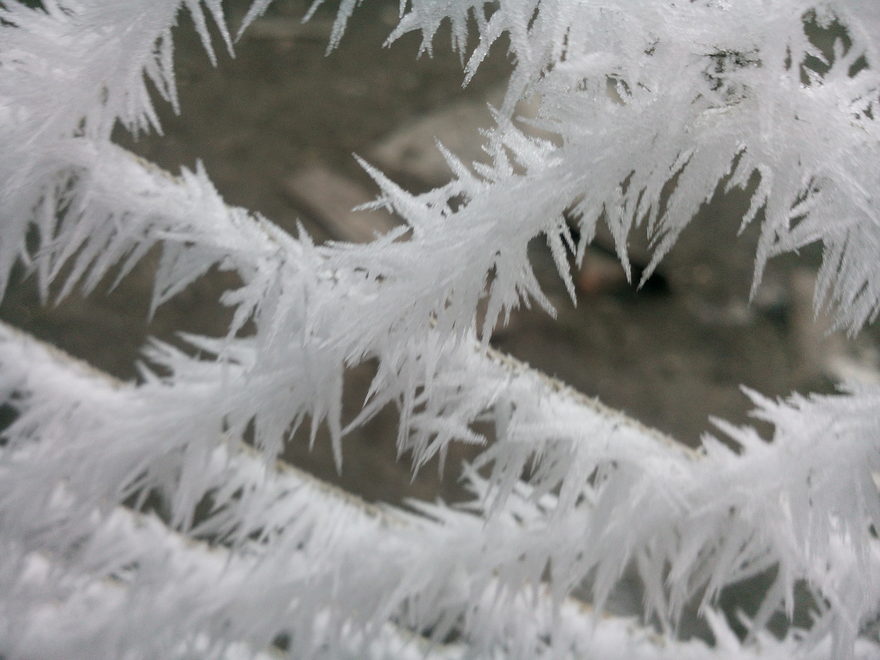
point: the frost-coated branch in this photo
(697, 94)
(287, 570)
(642, 479)
(76, 68)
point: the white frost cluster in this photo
(652, 106)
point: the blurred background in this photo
(276, 128)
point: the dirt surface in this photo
(670, 358)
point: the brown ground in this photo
(670, 358)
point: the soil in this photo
(671, 358)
